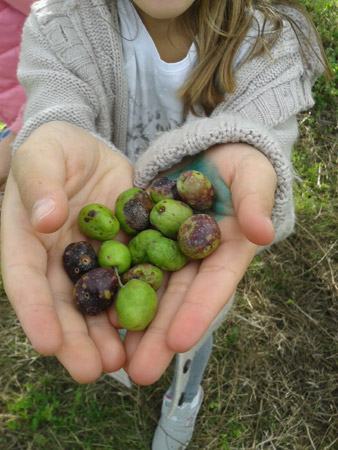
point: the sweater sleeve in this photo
(59, 77)
(271, 90)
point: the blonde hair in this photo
(218, 27)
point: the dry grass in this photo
(277, 379)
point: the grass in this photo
(272, 379)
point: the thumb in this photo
(253, 191)
(40, 175)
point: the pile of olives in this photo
(167, 225)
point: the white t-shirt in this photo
(152, 82)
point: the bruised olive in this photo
(145, 272)
(198, 236)
(78, 258)
(94, 292)
(98, 222)
(163, 188)
(195, 189)
(132, 209)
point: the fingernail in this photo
(41, 209)
(268, 220)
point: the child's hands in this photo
(59, 169)
(195, 294)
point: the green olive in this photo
(98, 222)
(135, 305)
(166, 254)
(114, 254)
(167, 216)
(132, 208)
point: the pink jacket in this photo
(12, 96)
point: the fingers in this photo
(90, 345)
(47, 317)
(107, 341)
(40, 294)
(213, 286)
(39, 171)
(252, 182)
(68, 164)
(252, 188)
(152, 355)
(23, 270)
(78, 353)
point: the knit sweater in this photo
(71, 65)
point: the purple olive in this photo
(195, 189)
(198, 236)
(163, 188)
(94, 292)
(78, 258)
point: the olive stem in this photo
(118, 277)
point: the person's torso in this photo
(153, 104)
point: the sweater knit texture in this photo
(71, 66)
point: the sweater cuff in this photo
(200, 134)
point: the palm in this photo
(35, 281)
(192, 299)
(73, 169)
(196, 294)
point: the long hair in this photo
(218, 27)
